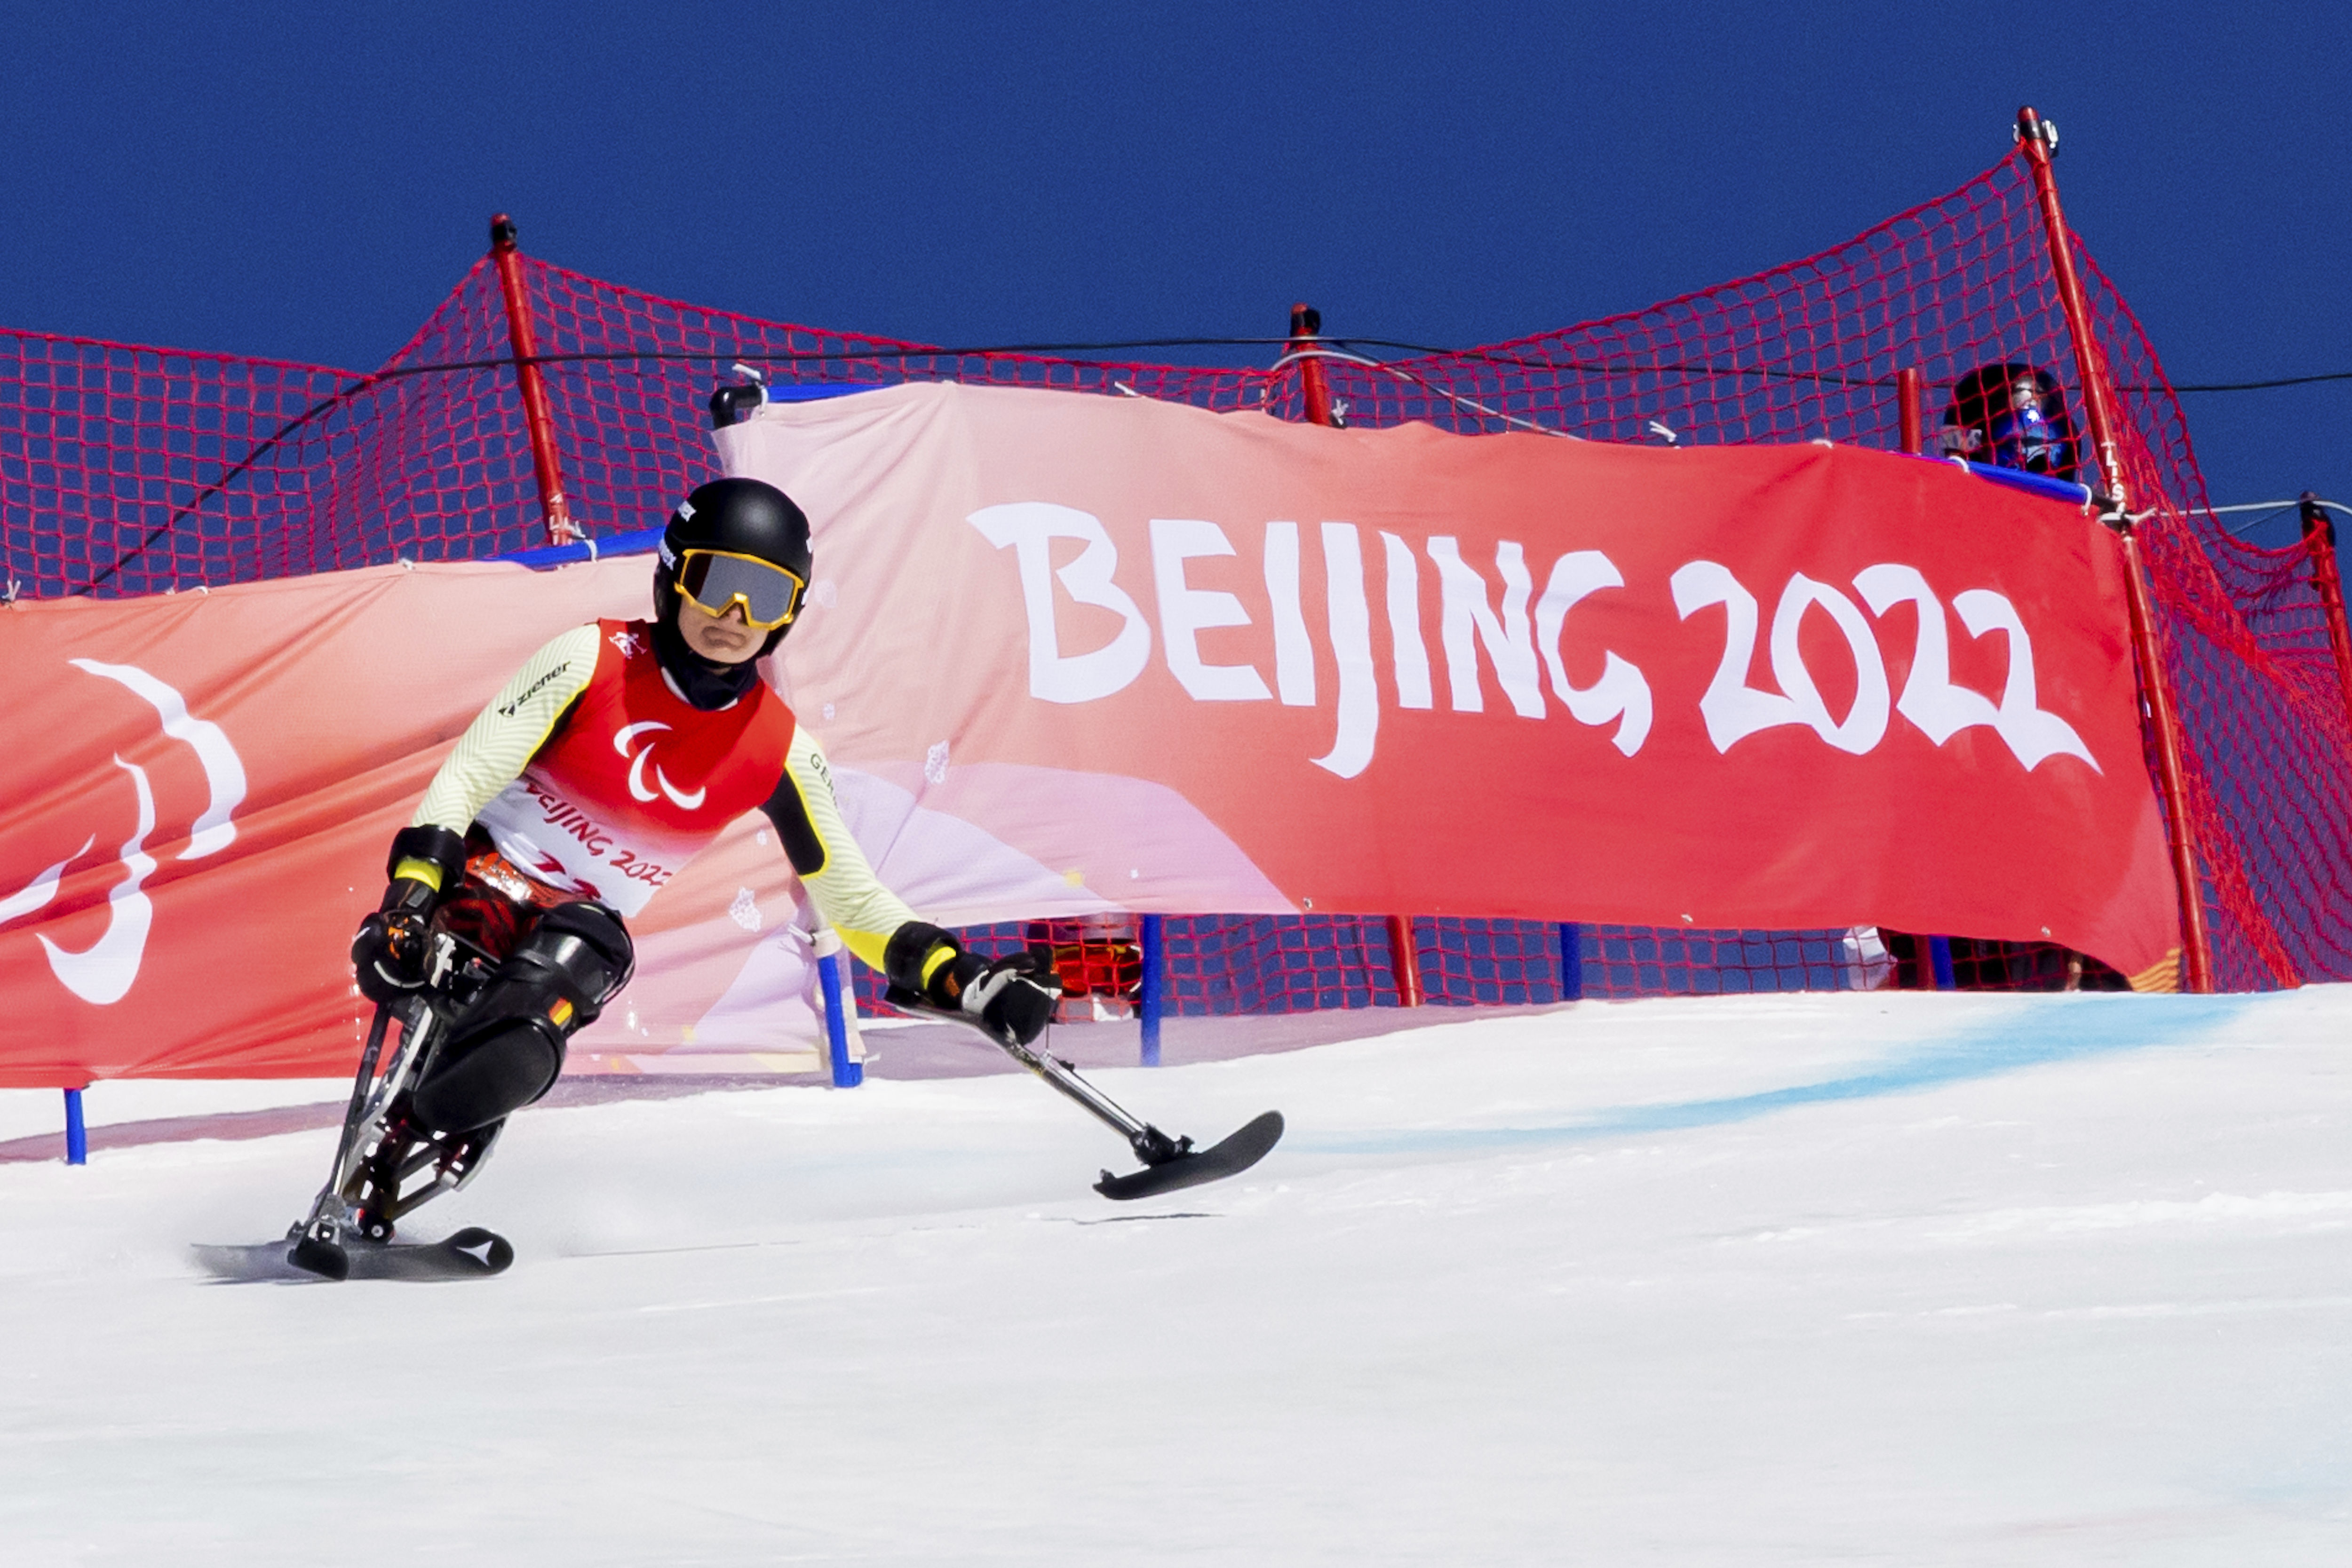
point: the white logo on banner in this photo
(102, 973)
(1468, 623)
(1517, 638)
(1734, 710)
(1031, 528)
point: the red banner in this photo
(1072, 653)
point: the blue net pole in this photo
(1154, 997)
(846, 1074)
(76, 1134)
(1571, 962)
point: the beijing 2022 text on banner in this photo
(1072, 653)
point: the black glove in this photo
(389, 953)
(1013, 996)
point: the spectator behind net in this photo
(2012, 416)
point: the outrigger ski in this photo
(1170, 1164)
(375, 1180)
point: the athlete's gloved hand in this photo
(388, 954)
(1013, 996)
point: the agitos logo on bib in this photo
(635, 780)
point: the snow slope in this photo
(1903, 1280)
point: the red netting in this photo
(133, 470)
(129, 470)
(2261, 703)
(1269, 963)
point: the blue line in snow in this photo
(2046, 1030)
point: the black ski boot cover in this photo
(508, 1048)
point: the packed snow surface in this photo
(1903, 1278)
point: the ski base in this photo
(1229, 1157)
(472, 1253)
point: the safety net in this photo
(127, 469)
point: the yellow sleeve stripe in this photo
(416, 870)
(939, 955)
(872, 948)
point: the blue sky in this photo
(306, 184)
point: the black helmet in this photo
(737, 518)
(2012, 416)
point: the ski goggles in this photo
(718, 580)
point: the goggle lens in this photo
(768, 594)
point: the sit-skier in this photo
(614, 755)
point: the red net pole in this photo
(2039, 137)
(1306, 336)
(1404, 961)
(544, 459)
(2320, 543)
(1315, 391)
(1911, 392)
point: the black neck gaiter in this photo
(708, 686)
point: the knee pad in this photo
(585, 955)
(489, 1074)
(505, 1050)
